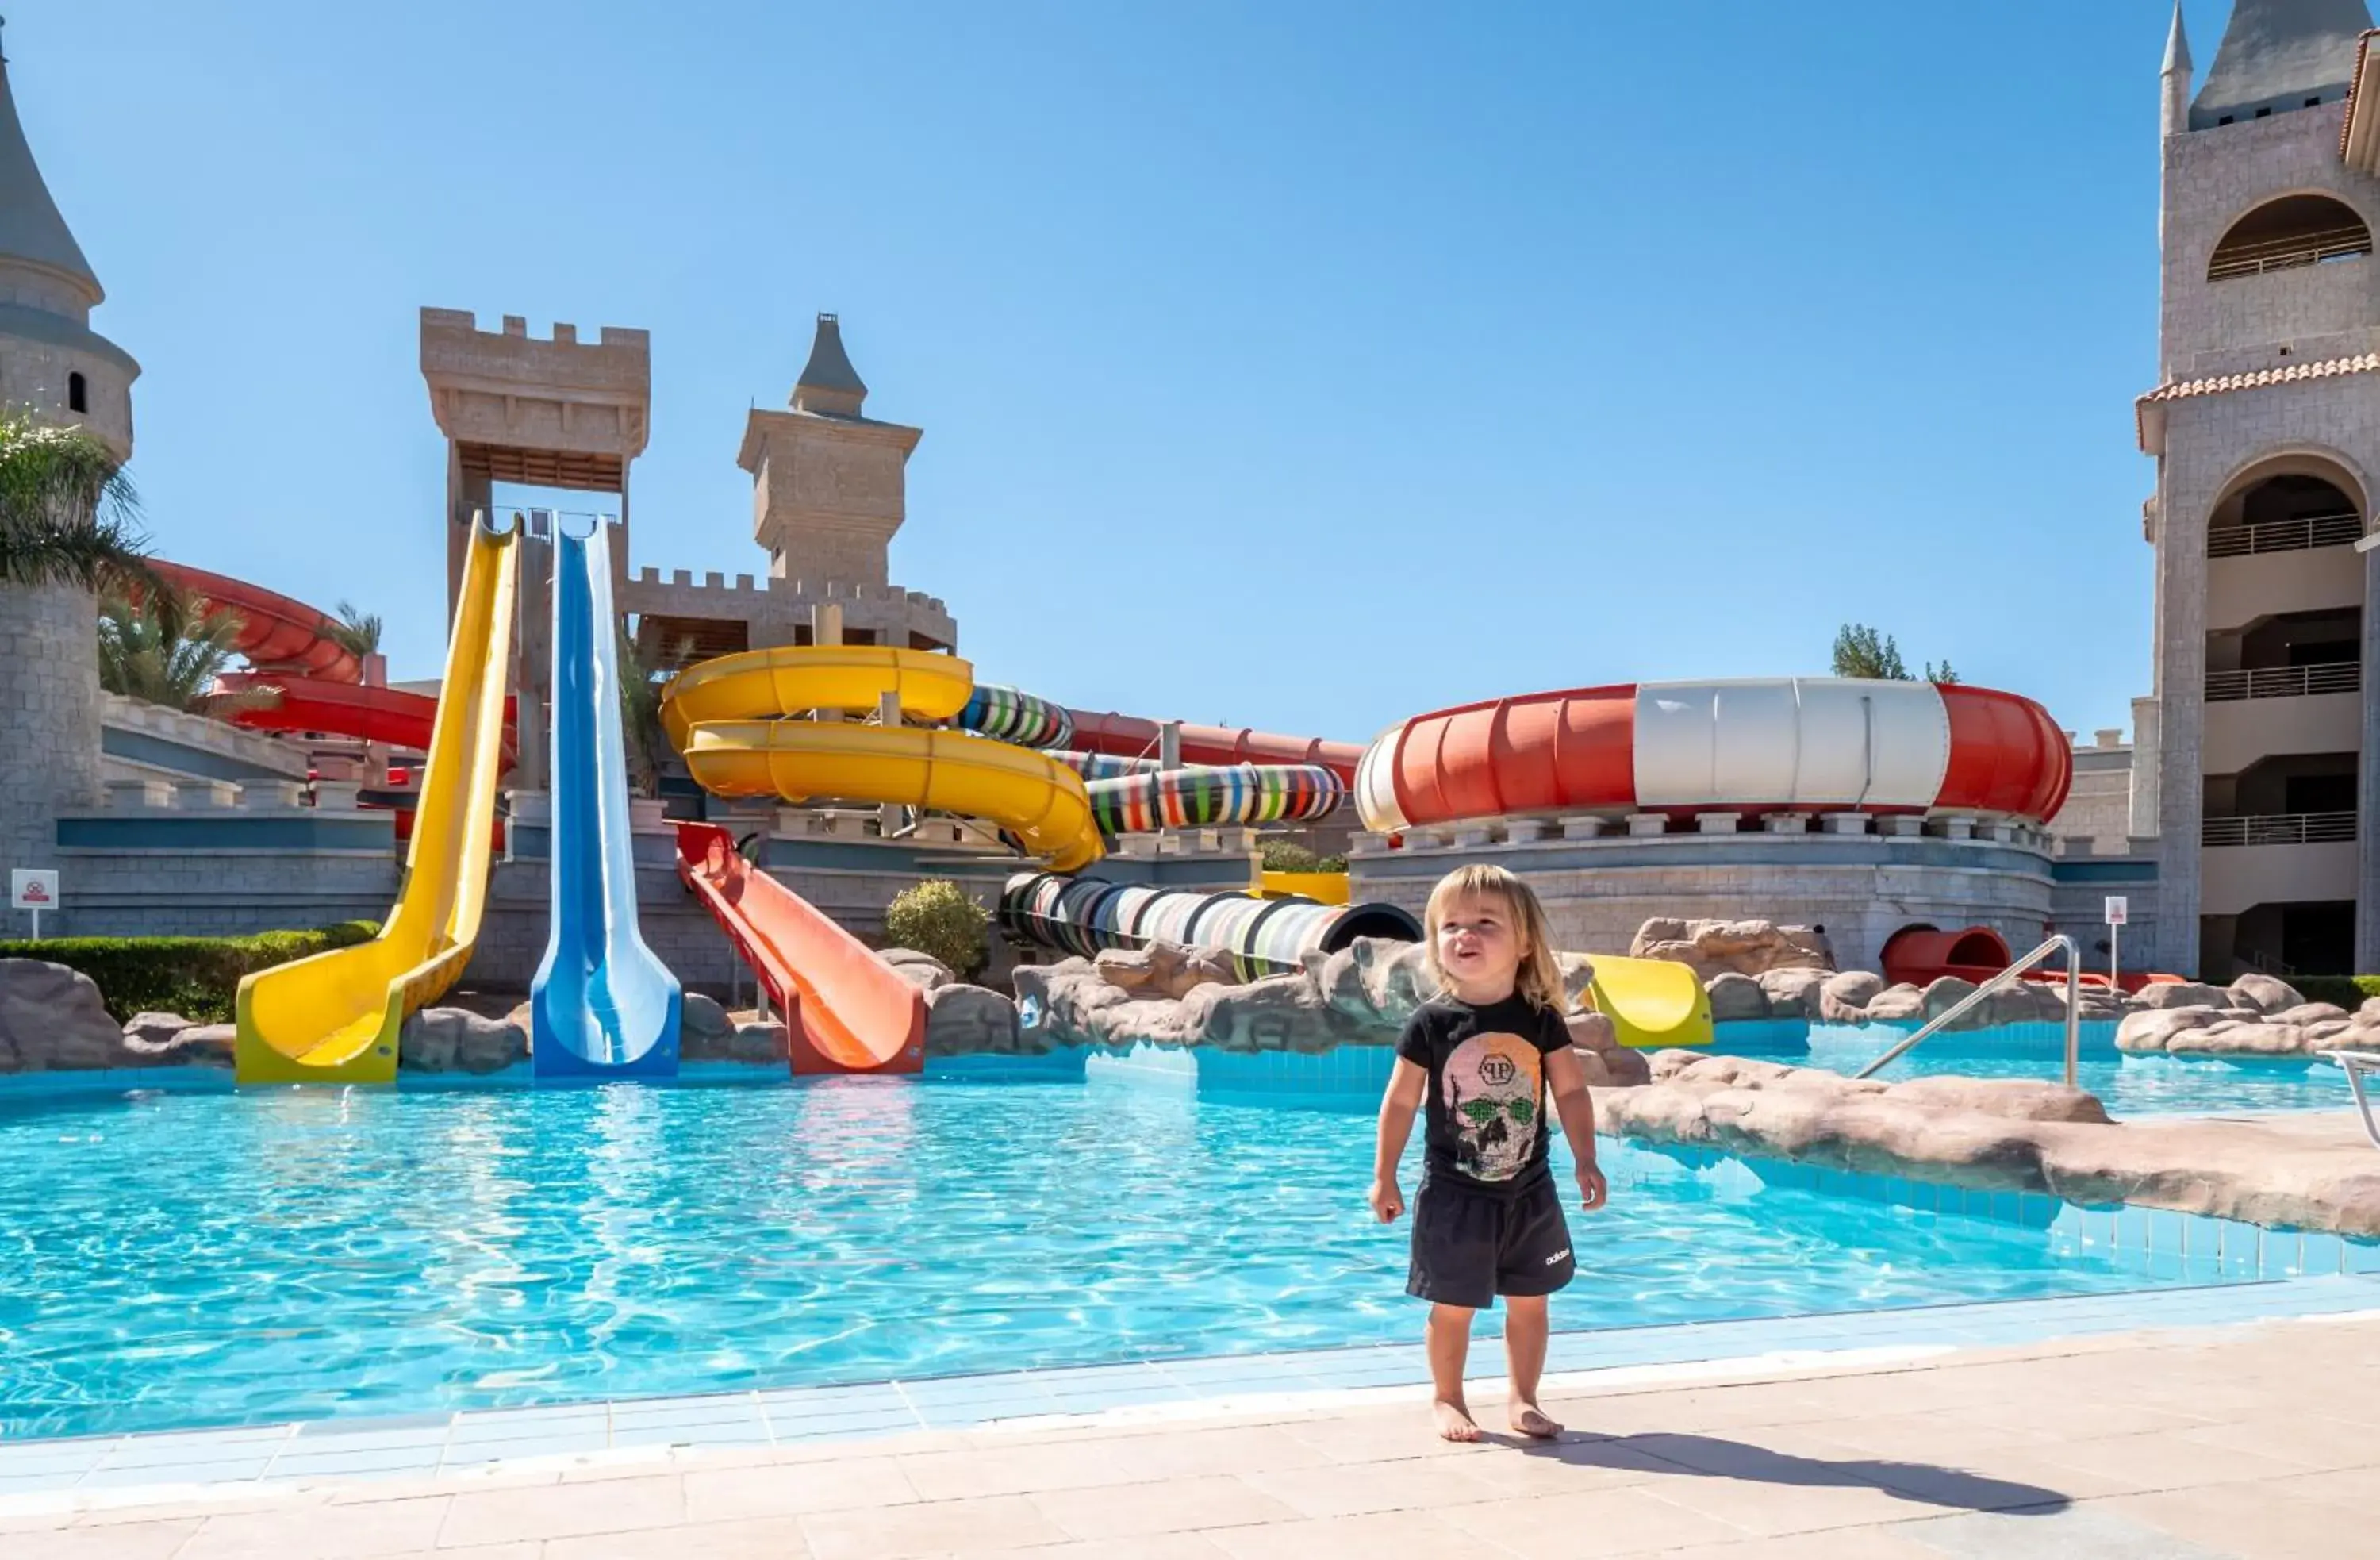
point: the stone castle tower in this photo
(51, 360)
(826, 481)
(2256, 762)
(54, 365)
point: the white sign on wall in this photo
(34, 889)
(2120, 909)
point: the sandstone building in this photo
(2254, 761)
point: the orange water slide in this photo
(845, 1009)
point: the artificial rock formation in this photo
(2257, 1016)
(1732, 947)
(2006, 1134)
(53, 1019)
(963, 1021)
(921, 969)
(1857, 996)
(1165, 995)
(442, 1040)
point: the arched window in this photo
(77, 394)
(2293, 230)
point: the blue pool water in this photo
(173, 1260)
(2128, 1086)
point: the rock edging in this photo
(2008, 1135)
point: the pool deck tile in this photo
(497, 1442)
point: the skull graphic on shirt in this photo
(1490, 1087)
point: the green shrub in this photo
(197, 977)
(2342, 991)
(936, 916)
(1288, 856)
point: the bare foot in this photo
(1530, 1419)
(1455, 1421)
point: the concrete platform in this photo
(2256, 1438)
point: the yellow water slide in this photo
(333, 1018)
(729, 719)
(1651, 1001)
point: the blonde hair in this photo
(1540, 978)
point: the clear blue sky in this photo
(1300, 366)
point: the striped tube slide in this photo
(1185, 798)
(1009, 714)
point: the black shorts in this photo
(1469, 1247)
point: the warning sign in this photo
(33, 889)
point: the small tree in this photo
(167, 647)
(1942, 674)
(1861, 652)
(357, 631)
(643, 675)
(936, 916)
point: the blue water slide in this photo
(603, 1006)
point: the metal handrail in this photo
(2279, 828)
(2285, 682)
(2285, 536)
(2001, 981)
(2356, 1063)
(2280, 254)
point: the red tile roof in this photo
(2148, 409)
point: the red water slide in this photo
(1919, 956)
(292, 646)
(275, 633)
(1133, 737)
(371, 715)
(845, 1009)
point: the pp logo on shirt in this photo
(1497, 1071)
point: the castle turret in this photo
(829, 385)
(2175, 116)
(51, 360)
(52, 364)
(827, 482)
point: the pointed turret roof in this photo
(829, 384)
(2277, 53)
(31, 231)
(2177, 45)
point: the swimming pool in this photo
(186, 1258)
(2126, 1085)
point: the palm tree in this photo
(358, 630)
(67, 526)
(646, 741)
(69, 515)
(167, 647)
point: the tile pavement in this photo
(2255, 1439)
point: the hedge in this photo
(1288, 856)
(2342, 991)
(197, 977)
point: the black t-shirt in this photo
(1487, 1101)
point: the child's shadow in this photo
(1708, 1456)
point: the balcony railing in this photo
(2297, 248)
(2285, 536)
(2279, 828)
(2285, 682)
